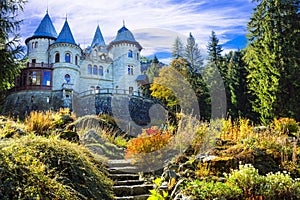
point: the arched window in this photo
(67, 78)
(100, 71)
(56, 57)
(95, 70)
(90, 69)
(76, 60)
(36, 45)
(129, 54)
(130, 70)
(68, 57)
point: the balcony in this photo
(39, 65)
(67, 86)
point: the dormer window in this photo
(68, 57)
(129, 54)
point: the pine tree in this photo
(10, 49)
(153, 70)
(272, 57)
(192, 53)
(215, 54)
(178, 50)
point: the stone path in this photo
(127, 182)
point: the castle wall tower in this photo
(125, 52)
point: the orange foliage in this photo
(150, 140)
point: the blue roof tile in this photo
(98, 38)
(124, 35)
(65, 35)
(46, 28)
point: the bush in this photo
(284, 126)
(35, 167)
(150, 140)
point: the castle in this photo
(58, 68)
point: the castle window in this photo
(100, 71)
(46, 78)
(76, 60)
(129, 54)
(90, 69)
(68, 57)
(137, 56)
(56, 57)
(67, 78)
(95, 70)
(34, 78)
(36, 45)
(130, 70)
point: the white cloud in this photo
(163, 19)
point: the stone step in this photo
(128, 182)
(137, 197)
(131, 190)
(119, 163)
(123, 177)
(122, 170)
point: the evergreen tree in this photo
(153, 70)
(238, 103)
(192, 53)
(178, 50)
(10, 49)
(272, 57)
(215, 75)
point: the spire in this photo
(123, 23)
(45, 28)
(98, 38)
(66, 35)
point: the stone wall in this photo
(20, 104)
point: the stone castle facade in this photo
(58, 69)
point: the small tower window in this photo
(68, 57)
(76, 60)
(129, 54)
(67, 78)
(90, 69)
(36, 45)
(130, 70)
(100, 71)
(137, 56)
(56, 57)
(95, 70)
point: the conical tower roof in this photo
(45, 29)
(65, 35)
(124, 35)
(98, 38)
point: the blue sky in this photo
(154, 23)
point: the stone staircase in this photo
(127, 182)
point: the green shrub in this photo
(35, 167)
(284, 126)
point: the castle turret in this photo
(125, 51)
(38, 44)
(65, 56)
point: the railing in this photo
(67, 86)
(41, 65)
(112, 91)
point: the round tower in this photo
(38, 44)
(125, 52)
(65, 56)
